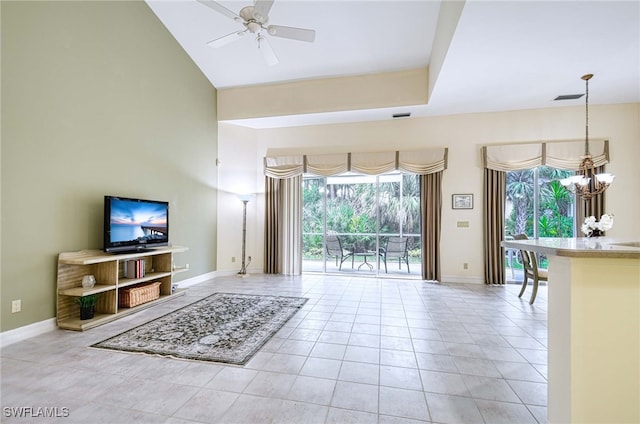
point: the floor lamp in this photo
(244, 199)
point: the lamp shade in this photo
(245, 197)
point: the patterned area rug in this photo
(223, 327)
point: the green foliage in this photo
(555, 203)
(352, 212)
(87, 301)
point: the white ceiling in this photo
(504, 55)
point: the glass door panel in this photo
(359, 213)
(537, 205)
(351, 215)
(313, 201)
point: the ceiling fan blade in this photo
(267, 51)
(293, 33)
(219, 42)
(220, 9)
(261, 10)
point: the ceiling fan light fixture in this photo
(254, 19)
(254, 27)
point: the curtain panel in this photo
(271, 225)
(370, 163)
(495, 185)
(431, 211)
(592, 207)
(283, 226)
(290, 240)
(558, 154)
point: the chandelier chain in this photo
(586, 138)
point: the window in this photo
(539, 206)
(363, 211)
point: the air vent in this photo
(569, 97)
(401, 115)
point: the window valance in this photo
(558, 154)
(370, 163)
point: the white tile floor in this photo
(362, 350)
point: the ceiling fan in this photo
(254, 19)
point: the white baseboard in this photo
(232, 272)
(198, 279)
(26, 332)
(462, 279)
(22, 333)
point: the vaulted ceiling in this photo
(497, 55)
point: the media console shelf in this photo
(108, 269)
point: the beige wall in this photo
(463, 135)
(97, 98)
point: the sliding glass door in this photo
(538, 206)
(361, 213)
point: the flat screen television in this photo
(135, 224)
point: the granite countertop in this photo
(605, 247)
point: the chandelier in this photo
(586, 183)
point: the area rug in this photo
(223, 327)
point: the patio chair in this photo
(531, 270)
(396, 248)
(334, 248)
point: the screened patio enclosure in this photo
(361, 213)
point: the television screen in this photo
(134, 224)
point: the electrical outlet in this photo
(465, 265)
(16, 306)
(233, 259)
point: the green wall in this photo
(97, 98)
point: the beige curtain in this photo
(283, 166)
(431, 210)
(557, 154)
(512, 157)
(592, 207)
(568, 154)
(495, 184)
(369, 163)
(290, 240)
(283, 226)
(271, 225)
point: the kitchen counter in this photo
(605, 247)
(594, 328)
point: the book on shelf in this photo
(134, 268)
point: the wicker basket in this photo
(139, 294)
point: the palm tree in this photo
(520, 193)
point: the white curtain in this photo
(373, 163)
(327, 165)
(290, 242)
(568, 155)
(557, 154)
(420, 162)
(283, 166)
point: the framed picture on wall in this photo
(462, 201)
